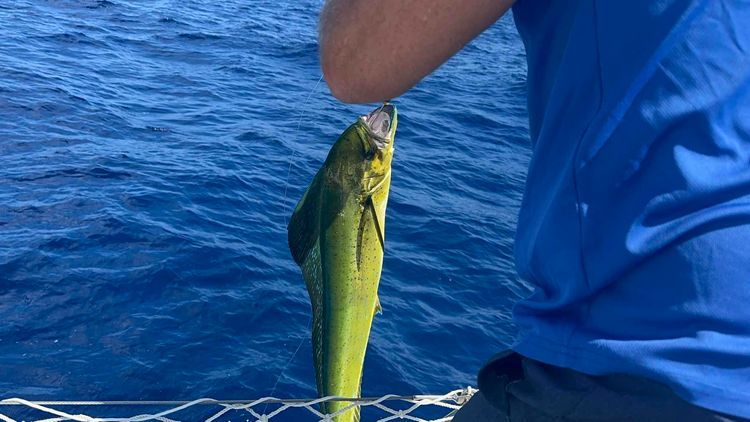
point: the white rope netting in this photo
(419, 408)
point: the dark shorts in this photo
(514, 388)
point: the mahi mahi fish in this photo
(337, 237)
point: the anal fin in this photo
(378, 308)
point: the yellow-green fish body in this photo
(336, 236)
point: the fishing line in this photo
(299, 345)
(294, 150)
(284, 211)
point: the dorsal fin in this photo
(304, 226)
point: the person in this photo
(635, 222)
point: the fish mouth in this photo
(380, 124)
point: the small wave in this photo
(304, 49)
(95, 172)
(129, 41)
(199, 36)
(70, 95)
(71, 38)
(167, 19)
(157, 129)
(243, 70)
(26, 209)
(100, 4)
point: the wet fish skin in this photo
(336, 236)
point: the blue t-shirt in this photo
(635, 224)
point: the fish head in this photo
(378, 135)
(362, 155)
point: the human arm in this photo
(374, 50)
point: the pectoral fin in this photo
(368, 207)
(378, 225)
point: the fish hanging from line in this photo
(337, 237)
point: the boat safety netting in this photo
(420, 408)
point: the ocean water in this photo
(150, 154)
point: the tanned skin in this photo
(375, 50)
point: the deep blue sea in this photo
(145, 151)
